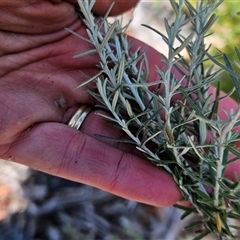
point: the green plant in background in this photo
(190, 140)
(227, 32)
(227, 29)
(226, 36)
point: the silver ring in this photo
(78, 118)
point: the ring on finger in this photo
(79, 117)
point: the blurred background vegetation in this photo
(227, 34)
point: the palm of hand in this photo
(38, 95)
(38, 79)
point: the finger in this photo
(56, 1)
(11, 43)
(60, 150)
(35, 16)
(102, 6)
(99, 128)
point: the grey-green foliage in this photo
(190, 140)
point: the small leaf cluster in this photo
(174, 121)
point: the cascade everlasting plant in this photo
(186, 137)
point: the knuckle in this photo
(122, 167)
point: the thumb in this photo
(101, 6)
(119, 6)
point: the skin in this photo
(38, 76)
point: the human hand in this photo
(38, 96)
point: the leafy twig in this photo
(192, 142)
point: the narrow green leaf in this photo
(129, 141)
(202, 132)
(90, 52)
(235, 227)
(151, 137)
(115, 99)
(202, 235)
(187, 211)
(191, 103)
(234, 151)
(78, 35)
(174, 6)
(90, 79)
(121, 70)
(129, 109)
(237, 52)
(225, 158)
(108, 35)
(184, 44)
(234, 76)
(194, 224)
(223, 67)
(104, 19)
(216, 101)
(209, 24)
(90, 6)
(156, 31)
(106, 116)
(197, 178)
